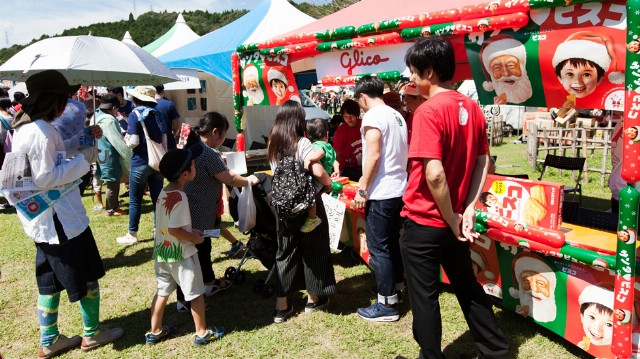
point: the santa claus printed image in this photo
(504, 61)
(582, 60)
(251, 82)
(537, 285)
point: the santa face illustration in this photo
(536, 293)
(508, 77)
(504, 60)
(252, 86)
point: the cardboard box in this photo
(526, 201)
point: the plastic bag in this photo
(246, 209)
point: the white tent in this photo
(179, 35)
(127, 39)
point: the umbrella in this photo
(88, 60)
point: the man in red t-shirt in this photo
(347, 141)
(449, 160)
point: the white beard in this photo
(519, 92)
(256, 95)
(542, 311)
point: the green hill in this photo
(151, 25)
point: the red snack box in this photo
(526, 201)
(349, 191)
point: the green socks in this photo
(90, 309)
(48, 318)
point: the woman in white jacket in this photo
(67, 257)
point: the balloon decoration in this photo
(538, 4)
(297, 51)
(326, 35)
(625, 271)
(237, 91)
(631, 150)
(427, 18)
(493, 8)
(463, 27)
(548, 237)
(387, 76)
(360, 42)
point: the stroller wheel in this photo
(268, 290)
(230, 273)
(258, 286)
(240, 277)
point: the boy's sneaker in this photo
(209, 336)
(61, 344)
(104, 336)
(323, 302)
(128, 239)
(235, 249)
(155, 338)
(310, 224)
(280, 316)
(379, 313)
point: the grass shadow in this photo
(142, 255)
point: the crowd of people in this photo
(411, 171)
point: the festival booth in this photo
(577, 282)
(209, 56)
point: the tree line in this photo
(151, 25)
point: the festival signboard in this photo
(362, 60)
(570, 56)
(267, 80)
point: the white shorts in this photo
(186, 274)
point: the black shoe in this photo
(280, 316)
(323, 302)
(472, 355)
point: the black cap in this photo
(177, 161)
(47, 81)
(109, 101)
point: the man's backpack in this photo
(292, 188)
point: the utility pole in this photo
(134, 8)
(6, 37)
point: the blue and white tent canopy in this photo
(212, 52)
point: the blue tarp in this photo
(212, 52)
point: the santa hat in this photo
(596, 294)
(498, 46)
(484, 21)
(277, 73)
(481, 262)
(588, 45)
(250, 70)
(529, 262)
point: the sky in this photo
(24, 20)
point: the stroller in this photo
(262, 243)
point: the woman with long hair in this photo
(303, 260)
(205, 192)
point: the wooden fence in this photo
(570, 142)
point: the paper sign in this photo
(237, 162)
(215, 233)
(335, 216)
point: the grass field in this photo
(129, 285)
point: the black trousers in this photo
(303, 260)
(424, 249)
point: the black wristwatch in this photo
(362, 193)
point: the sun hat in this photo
(143, 93)
(50, 81)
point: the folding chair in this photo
(567, 163)
(598, 220)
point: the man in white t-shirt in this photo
(383, 181)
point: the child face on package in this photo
(490, 200)
(597, 324)
(631, 132)
(580, 80)
(278, 87)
